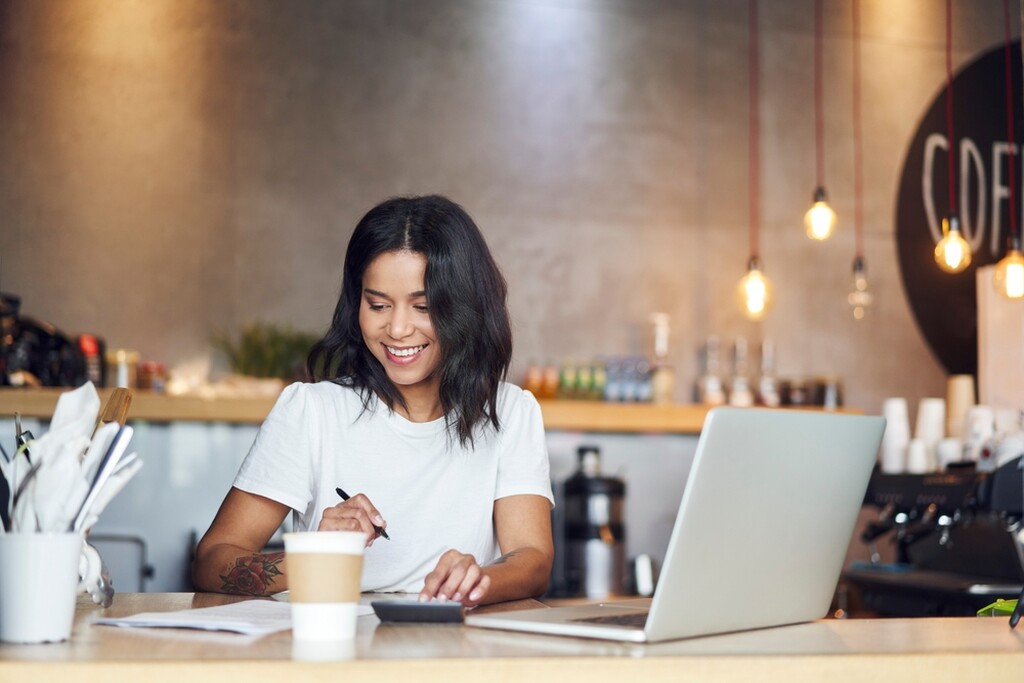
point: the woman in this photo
(416, 423)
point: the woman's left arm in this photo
(522, 524)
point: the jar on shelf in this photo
(152, 376)
(122, 368)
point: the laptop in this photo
(760, 538)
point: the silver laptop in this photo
(760, 538)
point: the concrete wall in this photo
(170, 168)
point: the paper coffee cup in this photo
(324, 570)
(959, 399)
(38, 586)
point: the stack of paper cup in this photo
(931, 426)
(959, 399)
(896, 437)
(918, 459)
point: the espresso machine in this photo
(955, 536)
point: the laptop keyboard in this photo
(636, 619)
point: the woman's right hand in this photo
(355, 514)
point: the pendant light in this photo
(820, 219)
(1009, 275)
(859, 297)
(952, 253)
(754, 291)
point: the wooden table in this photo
(953, 649)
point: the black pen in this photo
(1017, 611)
(378, 529)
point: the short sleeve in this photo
(523, 467)
(278, 465)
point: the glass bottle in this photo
(709, 390)
(662, 374)
(740, 394)
(768, 385)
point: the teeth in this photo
(401, 353)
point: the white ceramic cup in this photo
(897, 435)
(39, 583)
(324, 571)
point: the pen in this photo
(1017, 611)
(378, 529)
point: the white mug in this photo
(39, 582)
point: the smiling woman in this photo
(396, 328)
(463, 296)
(411, 413)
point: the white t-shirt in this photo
(434, 494)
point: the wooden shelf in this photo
(147, 406)
(563, 415)
(597, 416)
(558, 414)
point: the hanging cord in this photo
(1019, 609)
(1009, 121)
(949, 107)
(858, 162)
(754, 152)
(819, 108)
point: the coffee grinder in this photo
(594, 532)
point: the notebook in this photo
(760, 537)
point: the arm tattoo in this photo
(252, 575)
(506, 557)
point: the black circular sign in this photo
(945, 304)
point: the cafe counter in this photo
(931, 649)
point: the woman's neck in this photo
(422, 404)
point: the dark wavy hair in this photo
(466, 295)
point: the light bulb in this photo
(952, 253)
(754, 291)
(859, 296)
(820, 219)
(1009, 275)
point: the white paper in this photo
(251, 617)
